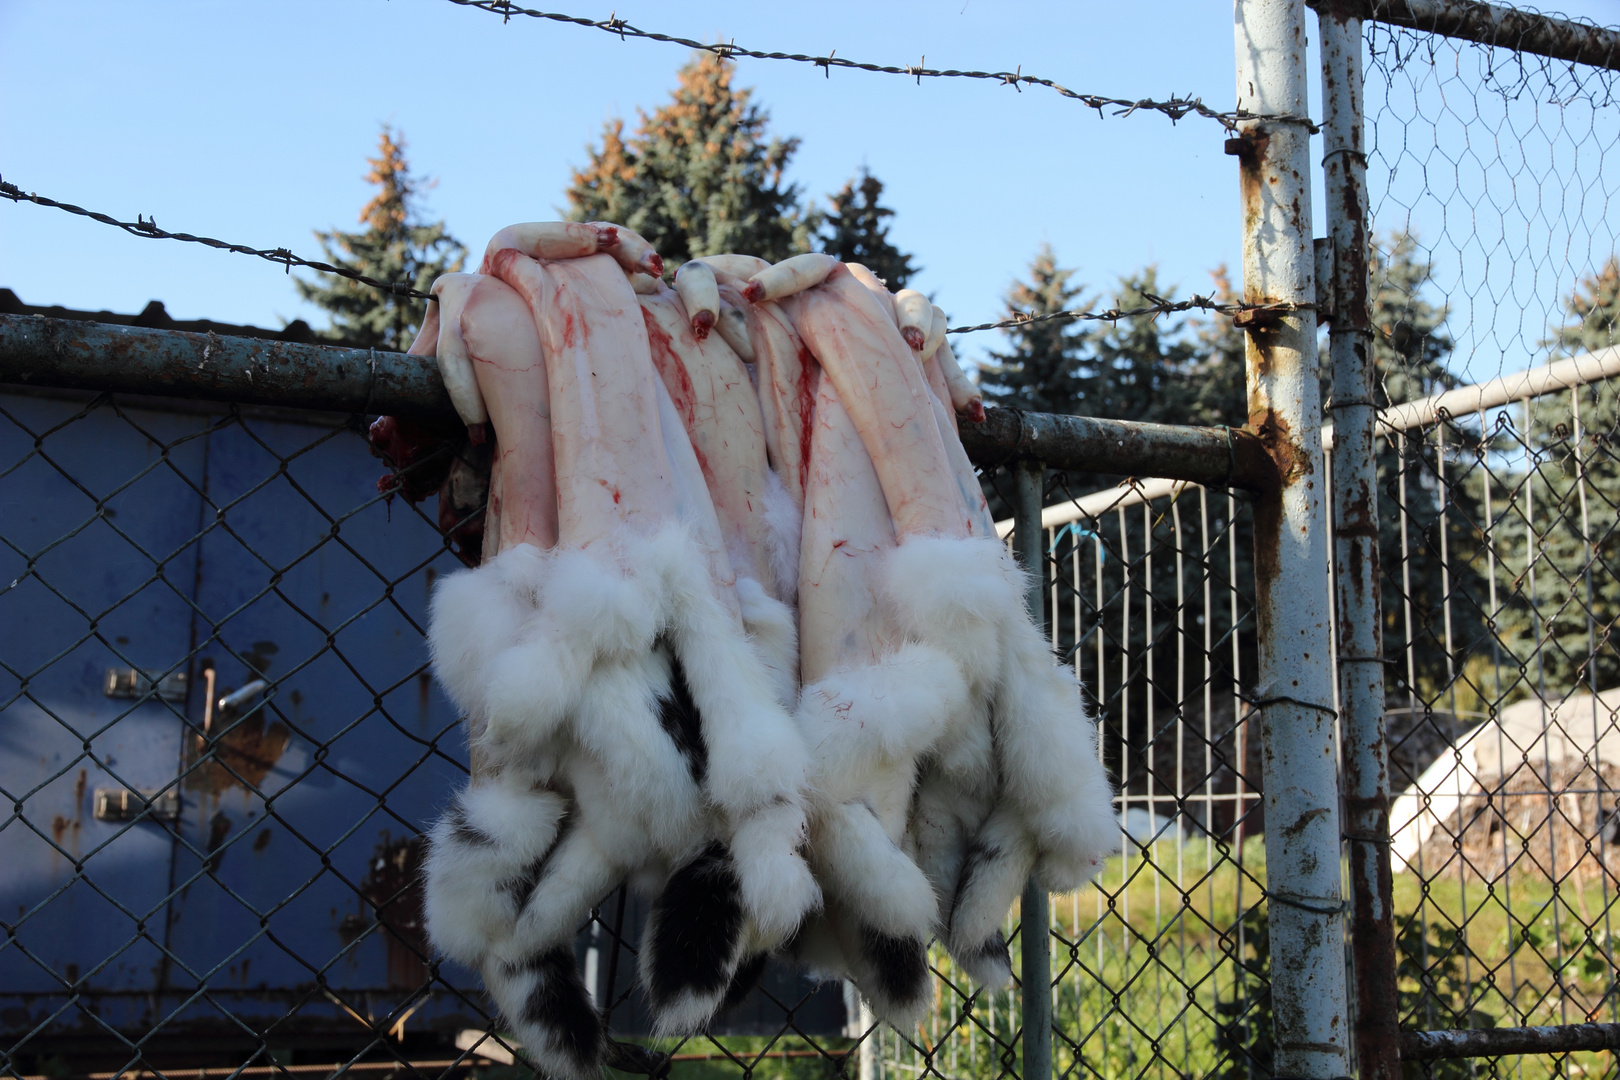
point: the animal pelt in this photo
(1015, 786)
(629, 729)
(945, 773)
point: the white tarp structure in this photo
(1535, 734)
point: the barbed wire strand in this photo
(1175, 108)
(1156, 306)
(147, 227)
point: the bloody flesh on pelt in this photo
(626, 725)
(742, 634)
(951, 756)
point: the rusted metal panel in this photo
(1503, 1042)
(1295, 685)
(1491, 24)
(1355, 552)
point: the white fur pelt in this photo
(1015, 785)
(629, 728)
(945, 773)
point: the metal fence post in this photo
(1355, 551)
(1035, 971)
(1295, 688)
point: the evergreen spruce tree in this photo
(1141, 363)
(857, 232)
(1047, 368)
(700, 176)
(396, 245)
(1409, 347)
(1565, 630)
(1216, 390)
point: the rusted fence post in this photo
(1355, 549)
(1295, 689)
(1035, 943)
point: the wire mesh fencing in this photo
(1160, 968)
(222, 744)
(1491, 179)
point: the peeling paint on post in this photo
(1355, 551)
(1295, 688)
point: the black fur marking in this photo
(900, 964)
(749, 972)
(979, 856)
(560, 1004)
(993, 948)
(523, 886)
(465, 831)
(697, 922)
(679, 715)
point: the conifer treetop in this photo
(700, 175)
(857, 231)
(394, 245)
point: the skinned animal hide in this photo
(627, 726)
(950, 755)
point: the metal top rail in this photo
(1464, 400)
(77, 355)
(1491, 24)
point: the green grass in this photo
(1157, 981)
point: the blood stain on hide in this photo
(670, 369)
(807, 409)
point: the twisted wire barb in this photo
(1175, 108)
(147, 227)
(1155, 306)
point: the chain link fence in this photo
(219, 741)
(1491, 175)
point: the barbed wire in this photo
(1157, 305)
(1175, 108)
(147, 227)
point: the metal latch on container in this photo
(131, 682)
(122, 804)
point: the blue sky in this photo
(249, 120)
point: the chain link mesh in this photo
(1491, 181)
(219, 740)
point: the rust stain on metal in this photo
(242, 757)
(1303, 821)
(392, 891)
(1292, 462)
(219, 828)
(1498, 1042)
